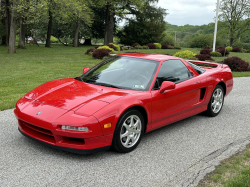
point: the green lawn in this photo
(27, 69)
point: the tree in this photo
(5, 19)
(236, 17)
(13, 25)
(147, 26)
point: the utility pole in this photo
(216, 22)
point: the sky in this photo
(192, 12)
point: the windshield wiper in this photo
(105, 84)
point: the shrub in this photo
(151, 46)
(117, 46)
(164, 46)
(100, 53)
(207, 47)
(106, 47)
(90, 50)
(158, 45)
(222, 51)
(170, 47)
(229, 48)
(243, 50)
(121, 49)
(138, 47)
(248, 51)
(200, 41)
(236, 49)
(167, 39)
(112, 47)
(125, 48)
(184, 54)
(236, 64)
(215, 54)
(135, 44)
(203, 57)
(113, 52)
(145, 47)
(205, 51)
(246, 45)
(238, 43)
(177, 47)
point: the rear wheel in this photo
(128, 132)
(216, 102)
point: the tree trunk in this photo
(75, 43)
(21, 43)
(109, 25)
(49, 30)
(87, 42)
(6, 23)
(13, 25)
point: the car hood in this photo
(71, 94)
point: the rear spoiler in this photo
(206, 64)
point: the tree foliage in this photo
(147, 26)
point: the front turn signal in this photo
(108, 125)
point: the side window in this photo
(172, 70)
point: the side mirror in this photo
(166, 85)
(85, 70)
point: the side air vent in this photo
(203, 91)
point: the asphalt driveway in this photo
(176, 155)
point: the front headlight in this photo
(64, 127)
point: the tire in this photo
(216, 101)
(128, 133)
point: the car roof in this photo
(149, 56)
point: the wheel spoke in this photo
(127, 141)
(213, 103)
(136, 124)
(131, 121)
(137, 131)
(126, 126)
(125, 134)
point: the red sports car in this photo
(115, 102)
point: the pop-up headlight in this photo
(64, 127)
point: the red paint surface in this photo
(74, 103)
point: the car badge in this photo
(38, 113)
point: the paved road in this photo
(176, 155)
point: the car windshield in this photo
(122, 72)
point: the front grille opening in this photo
(76, 140)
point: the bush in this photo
(184, 54)
(167, 39)
(125, 48)
(200, 41)
(215, 54)
(205, 51)
(238, 43)
(100, 53)
(170, 47)
(138, 47)
(90, 51)
(207, 47)
(135, 44)
(229, 48)
(236, 49)
(246, 45)
(106, 47)
(164, 46)
(243, 50)
(158, 45)
(96, 47)
(113, 52)
(112, 47)
(248, 51)
(177, 47)
(203, 57)
(151, 46)
(236, 64)
(222, 51)
(121, 49)
(145, 47)
(116, 46)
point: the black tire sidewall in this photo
(209, 107)
(116, 144)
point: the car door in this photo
(168, 105)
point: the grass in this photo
(232, 172)
(31, 67)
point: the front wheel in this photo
(128, 132)
(216, 102)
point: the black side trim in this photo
(77, 151)
(203, 91)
